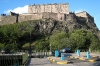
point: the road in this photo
(46, 62)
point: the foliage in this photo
(95, 44)
(77, 39)
(12, 35)
(42, 44)
(17, 36)
(84, 39)
(57, 41)
(1, 46)
(26, 46)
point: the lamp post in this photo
(50, 47)
(50, 50)
(30, 42)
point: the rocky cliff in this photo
(50, 25)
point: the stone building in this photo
(54, 8)
(56, 11)
(84, 14)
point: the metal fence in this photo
(15, 59)
(41, 54)
(19, 58)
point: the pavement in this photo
(46, 62)
(49, 61)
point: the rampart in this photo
(56, 16)
(8, 20)
(26, 17)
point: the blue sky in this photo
(20, 6)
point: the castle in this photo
(56, 11)
(52, 8)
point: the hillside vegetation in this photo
(45, 32)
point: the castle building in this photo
(84, 14)
(56, 11)
(54, 8)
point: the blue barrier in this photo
(88, 55)
(63, 56)
(78, 52)
(56, 53)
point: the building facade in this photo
(54, 8)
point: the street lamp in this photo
(30, 42)
(50, 47)
(50, 50)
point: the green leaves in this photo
(41, 45)
(84, 39)
(57, 40)
(78, 39)
(12, 35)
(17, 36)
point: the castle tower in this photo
(85, 15)
(55, 8)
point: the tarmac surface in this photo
(46, 62)
(74, 61)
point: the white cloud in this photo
(19, 10)
(80, 10)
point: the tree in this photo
(58, 40)
(1, 46)
(84, 39)
(69, 43)
(79, 38)
(95, 43)
(10, 35)
(41, 45)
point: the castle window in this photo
(61, 18)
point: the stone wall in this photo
(0, 18)
(61, 17)
(71, 17)
(26, 17)
(35, 16)
(7, 20)
(50, 15)
(56, 16)
(55, 8)
(83, 16)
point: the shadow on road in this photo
(27, 64)
(96, 63)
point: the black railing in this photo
(15, 59)
(40, 54)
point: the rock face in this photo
(50, 25)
